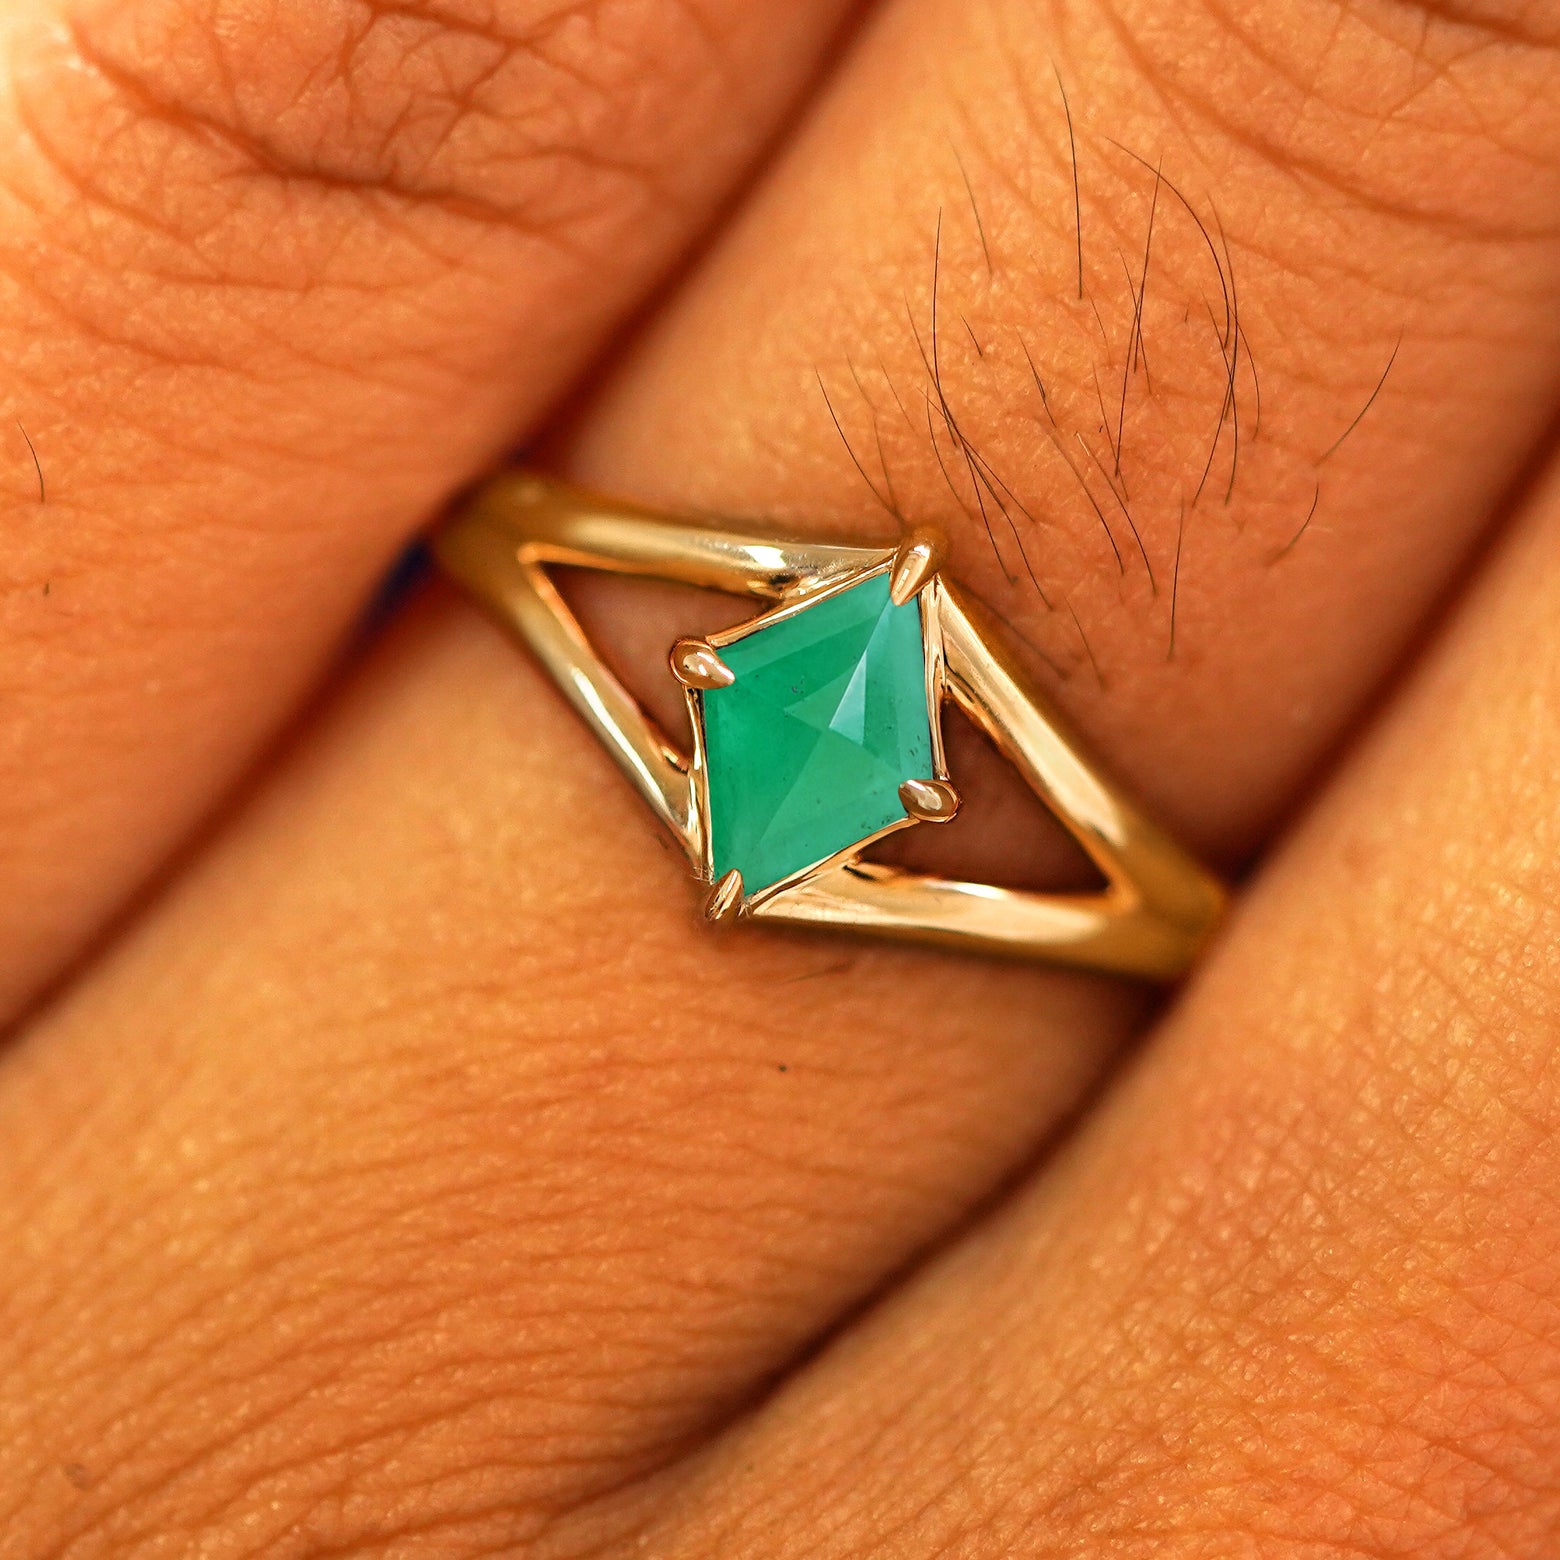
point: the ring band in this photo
(817, 731)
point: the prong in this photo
(696, 664)
(723, 904)
(921, 554)
(930, 801)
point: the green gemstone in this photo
(805, 752)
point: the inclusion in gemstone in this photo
(806, 750)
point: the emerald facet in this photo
(805, 752)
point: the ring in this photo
(817, 731)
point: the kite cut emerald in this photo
(806, 750)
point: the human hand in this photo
(405, 1172)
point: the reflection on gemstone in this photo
(805, 752)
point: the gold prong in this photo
(724, 902)
(696, 664)
(930, 801)
(921, 554)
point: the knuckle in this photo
(1412, 109)
(195, 184)
(1316, 195)
(529, 111)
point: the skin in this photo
(267, 268)
(407, 1174)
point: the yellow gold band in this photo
(1159, 906)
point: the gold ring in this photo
(818, 730)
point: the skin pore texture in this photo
(412, 1176)
(265, 265)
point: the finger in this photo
(555, 1188)
(468, 1001)
(275, 277)
(1217, 513)
(1294, 1292)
